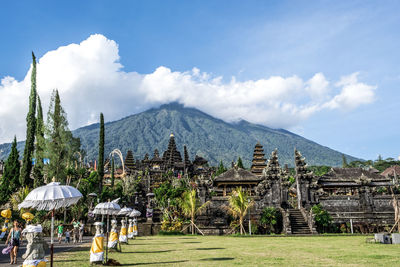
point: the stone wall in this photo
(344, 208)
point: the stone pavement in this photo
(5, 259)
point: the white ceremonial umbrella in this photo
(125, 211)
(135, 213)
(51, 197)
(107, 208)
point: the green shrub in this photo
(271, 220)
(323, 220)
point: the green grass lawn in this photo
(250, 251)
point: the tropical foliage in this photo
(191, 207)
(322, 218)
(271, 220)
(18, 197)
(239, 204)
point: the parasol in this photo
(135, 213)
(51, 197)
(125, 211)
(107, 208)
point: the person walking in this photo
(81, 231)
(14, 238)
(60, 231)
(67, 236)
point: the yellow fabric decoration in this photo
(97, 245)
(40, 264)
(6, 213)
(113, 236)
(27, 216)
(123, 231)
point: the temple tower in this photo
(258, 163)
(130, 162)
(303, 180)
(171, 156)
(270, 187)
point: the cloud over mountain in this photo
(91, 80)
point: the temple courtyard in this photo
(322, 250)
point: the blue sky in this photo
(247, 40)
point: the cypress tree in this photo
(221, 169)
(344, 161)
(112, 172)
(30, 130)
(58, 139)
(10, 180)
(100, 167)
(240, 163)
(38, 169)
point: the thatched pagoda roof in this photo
(350, 174)
(237, 175)
(391, 171)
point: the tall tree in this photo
(61, 144)
(10, 180)
(240, 163)
(344, 161)
(38, 169)
(221, 169)
(30, 130)
(100, 168)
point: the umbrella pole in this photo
(127, 228)
(107, 240)
(51, 240)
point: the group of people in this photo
(77, 231)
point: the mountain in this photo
(203, 135)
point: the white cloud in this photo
(91, 80)
(353, 93)
(318, 87)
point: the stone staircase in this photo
(298, 224)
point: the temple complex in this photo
(356, 194)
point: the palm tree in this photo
(239, 203)
(191, 206)
(18, 197)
